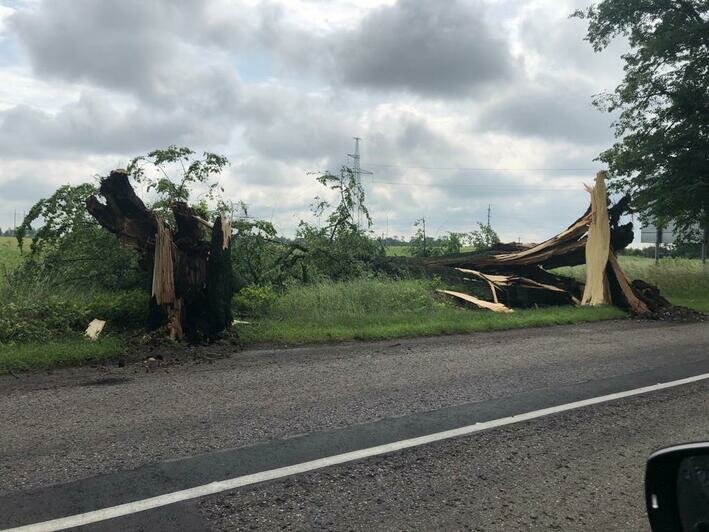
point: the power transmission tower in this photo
(358, 172)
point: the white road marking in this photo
(237, 482)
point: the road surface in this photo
(80, 440)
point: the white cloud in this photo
(436, 89)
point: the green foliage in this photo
(340, 249)
(56, 315)
(176, 174)
(121, 309)
(483, 238)
(71, 249)
(254, 300)
(62, 213)
(258, 256)
(660, 156)
(36, 320)
(347, 214)
(479, 240)
(452, 243)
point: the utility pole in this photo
(423, 223)
(488, 214)
(358, 172)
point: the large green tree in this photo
(661, 155)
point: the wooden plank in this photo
(634, 302)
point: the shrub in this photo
(37, 320)
(254, 300)
(44, 317)
(121, 309)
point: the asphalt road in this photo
(83, 439)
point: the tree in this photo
(174, 174)
(662, 131)
(483, 238)
(188, 257)
(69, 248)
(341, 249)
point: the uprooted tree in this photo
(188, 257)
(519, 276)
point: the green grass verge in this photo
(374, 309)
(55, 353)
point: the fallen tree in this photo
(189, 260)
(520, 277)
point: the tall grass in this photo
(10, 256)
(378, 309)
(682, 281)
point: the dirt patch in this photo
(676, 314)
(106, 381)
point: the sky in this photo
(461, 104)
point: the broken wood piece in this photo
(636, 305)
(95, 328)
(481, 303)
(596, 291)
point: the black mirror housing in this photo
(677, 488)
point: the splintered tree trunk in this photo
(520, 276)
(190, 263)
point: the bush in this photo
(122, 310)
(44, 317)
(37, 320)
(254, 300)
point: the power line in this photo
(481, 169)
(472, 185)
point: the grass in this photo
(378, 309)
(366, 309)
(683, 281)
(10, 256)
(71, 351)
(397, 251)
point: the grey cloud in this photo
(93, 125)
(433, 48)
(143, 47)
(559, 110)
(25, 189)
(283, 125)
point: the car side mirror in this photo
(677, 488)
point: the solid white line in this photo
(237, 482)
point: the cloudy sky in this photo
(460, 104)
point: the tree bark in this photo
(190, 263)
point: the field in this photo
(9, 254)
(48, 329)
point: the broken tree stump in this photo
(190, 263)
